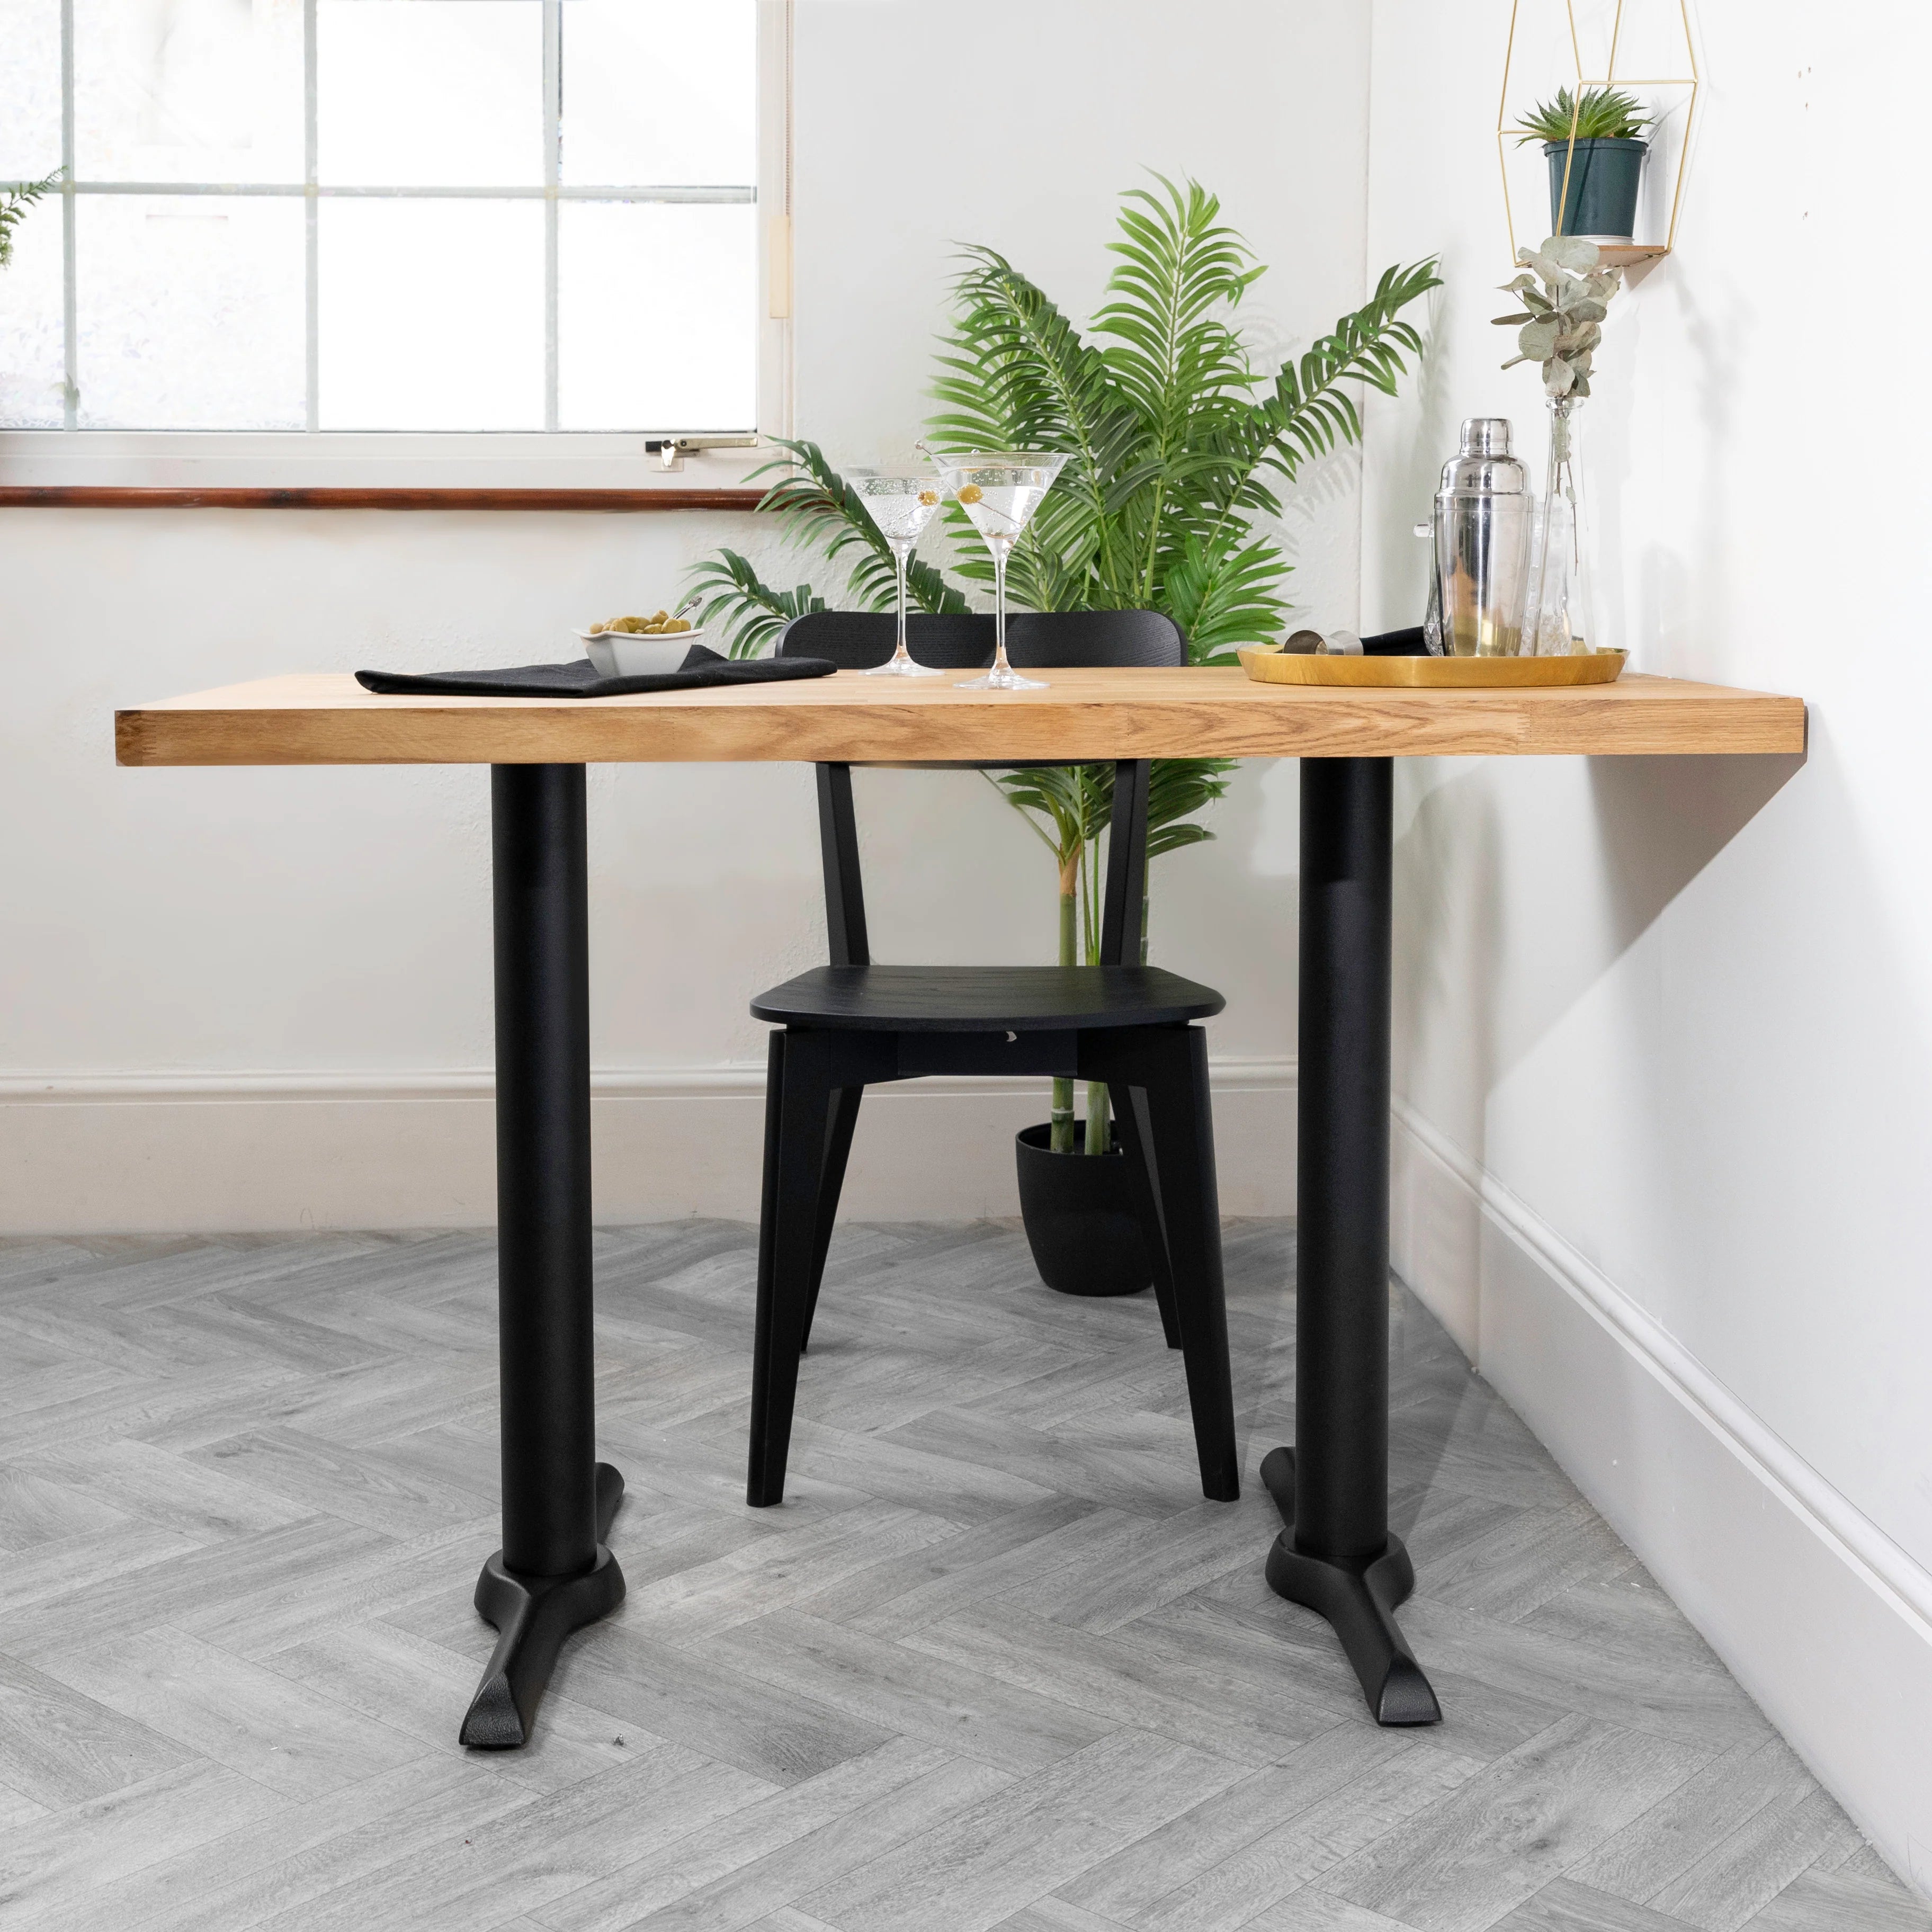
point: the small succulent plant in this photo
(1565, 293)
(1603, 114)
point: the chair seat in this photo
(986, 999)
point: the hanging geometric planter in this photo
(1594, 182)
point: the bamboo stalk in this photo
(1099, 1122)
(1061, 1137)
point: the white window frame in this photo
(482, 459)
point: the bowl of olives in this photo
(639, 646)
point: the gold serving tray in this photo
(1269, 664)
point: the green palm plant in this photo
(14, 202)
(1176, 444)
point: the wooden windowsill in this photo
(91, 496)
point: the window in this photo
(323, 216)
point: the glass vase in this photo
(1559, 618)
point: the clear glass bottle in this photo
(1558, 615)
(1432, 616)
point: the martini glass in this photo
(901, 506)
(999, 490)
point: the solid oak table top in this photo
(329, 719)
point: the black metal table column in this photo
(553, 1573)
(1335, 1554)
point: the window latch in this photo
(671, 450)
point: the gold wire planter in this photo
(1617, 254)
(1269, 664)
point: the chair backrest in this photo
(1038, 640)
(858, 639)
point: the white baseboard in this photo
(1823, 1618)
(166, 1153)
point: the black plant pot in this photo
(1604, 178)
(1080, 1220)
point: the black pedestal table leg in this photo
(1335, 1554)
(553, 1573)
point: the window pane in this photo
(657, 315)
(187, 90)
(430, 93)
(659, 92)
(190, 312)
(32, 359)
(432, 314)
(30, 137)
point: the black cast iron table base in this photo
(1358, 1596)
(532, 1616)
(1335, 1555)
(555, 1572)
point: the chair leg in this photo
(832, 1178)
(1171, 1065)
(1130, 1118)
(797, 1103)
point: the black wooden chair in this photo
(842, 1027)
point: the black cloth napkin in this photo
(701, 666)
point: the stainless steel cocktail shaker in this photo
(1482, 543)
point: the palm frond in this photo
(817, 507)
(1077, 801)
(1223, 592)
(1177, 789)
(1015, 374)
(1309, 412)
(14, 204)
(1066, 805)
(1167, 350)
(753, 614)
(1175, 356)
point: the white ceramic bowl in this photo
(637, 654)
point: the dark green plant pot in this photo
(1080, 1220)
(1604, 179)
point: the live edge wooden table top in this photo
(1336, 1553)
(326, 720)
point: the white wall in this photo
(1665, 1027)
(262, 998)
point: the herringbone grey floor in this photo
(995, 1664)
